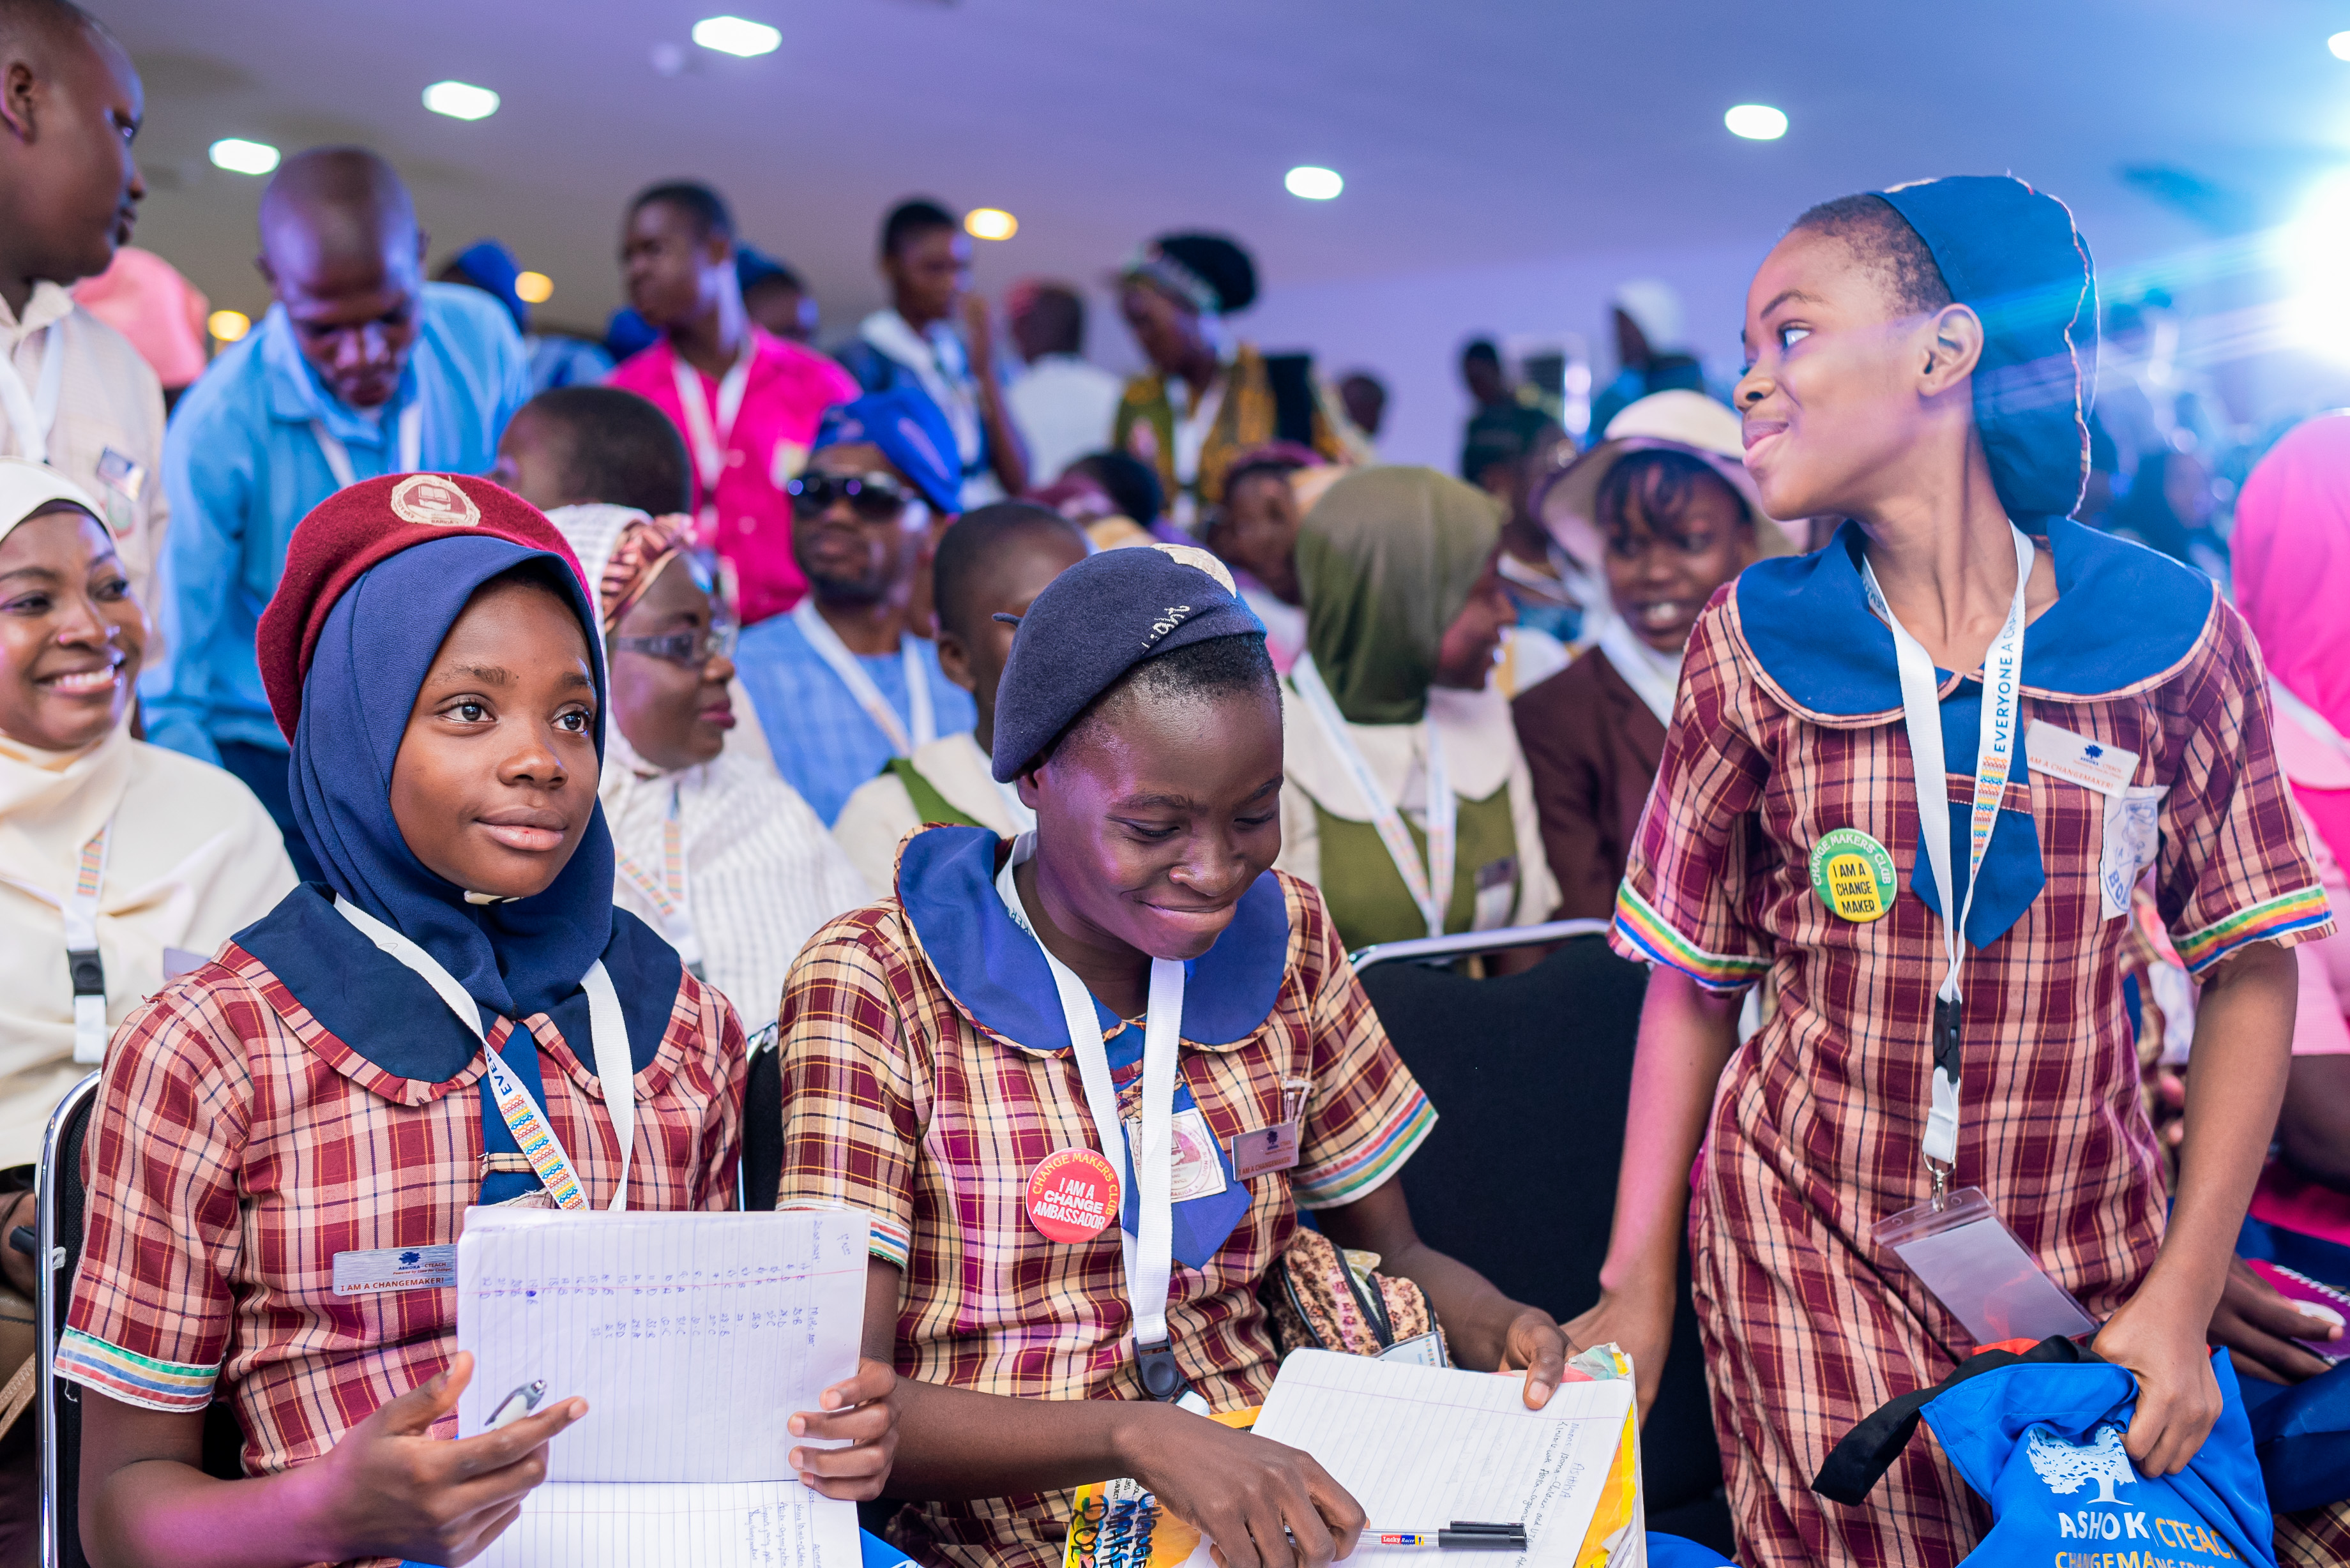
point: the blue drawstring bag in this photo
(2039, 1435)
(2301, 1433)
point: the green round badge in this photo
(1852, 874)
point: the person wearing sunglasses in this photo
(715, 852)
(845, 683)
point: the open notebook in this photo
(693, 1338)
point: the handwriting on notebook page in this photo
(693, 1337)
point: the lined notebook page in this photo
(748, 1524)
(1419, 1447)
(693, 1337)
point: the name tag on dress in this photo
(2058, 754)
(395, 1268)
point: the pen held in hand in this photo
(518, 1404)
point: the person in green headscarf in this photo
(1405, 615)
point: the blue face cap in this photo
(2013, 255)
(1094, 622)
(912, 433)
(495, 272)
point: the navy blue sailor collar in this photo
(2125, 619)
(996, 973)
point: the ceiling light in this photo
(239, 156)
(534, 287)
(2339, 44)
(228, 326)
(1313, 183)
(461, 100)
(989, 224)
(734, 35)
(1756, 122)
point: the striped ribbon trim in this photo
(1385, 1154)
(2287, 912)
(1638, 922)
(137, 1379)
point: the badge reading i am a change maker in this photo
(1852, 874)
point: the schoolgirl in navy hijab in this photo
(287, 1140)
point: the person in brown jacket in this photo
(1666, 504)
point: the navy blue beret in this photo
(1094, 622)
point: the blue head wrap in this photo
(514, 958)
(493, 270)
(2013, 255)
(912, 433)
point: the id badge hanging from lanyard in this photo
(843, 663)
(1956, 1243)
(338, 457)
(32, 415)
(711, 434)
(533, 1133)
(1149, 1254)
(1431, 887)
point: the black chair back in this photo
(762, 1125)
(1530, 1074)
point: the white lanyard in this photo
(33, 415)
(843, 663)
(669, 893)
(709, 437)
(1995, 753)
(82, 950)
(338, 457)
(1431, 888)
(1150, 1257)
(1653, 677)
(531, 1130)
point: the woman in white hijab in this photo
(716, 852)
(119, 860)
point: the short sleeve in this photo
(1365, 1113)
(1684, 896)
(851, 1131)
(2234, 866)
(152, 1302)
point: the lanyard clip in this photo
(1942, 1174)
(1161, 1378)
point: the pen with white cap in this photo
(518, 1404)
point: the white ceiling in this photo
(1472, 134)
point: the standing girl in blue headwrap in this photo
(286, 1140)
(1913, 778)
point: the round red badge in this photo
(1072, 1195)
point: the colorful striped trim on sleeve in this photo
(1642, 933)
(1384, 1155)
(134, 1379)
(890, 1242)
(2287, 914)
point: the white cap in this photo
(1677, 421)
(26, 486)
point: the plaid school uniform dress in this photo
(918, 1090)
(1787, 726)
(237, 1146)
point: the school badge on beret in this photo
(435, 501)
(1853, 874)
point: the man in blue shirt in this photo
(361, 369)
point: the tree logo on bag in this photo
(2067, 1466)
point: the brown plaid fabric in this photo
(898, 1102)
(2314, 1538)
(1816, 1124)
(237, 1146)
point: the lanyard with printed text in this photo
(711, 434)
(1431, 888)
(1148, 1256)
(533, 1133)
(32, 415)
(843, 663)
(1996, 754)
(668, 892)
(338, 457)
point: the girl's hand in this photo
(1536, 1342)
(1262, 1503)
(863, 1412)
(2259, 1325)
(1640, 1325)
(2177, 1393)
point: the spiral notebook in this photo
(693, 1338)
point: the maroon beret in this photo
(354, 528)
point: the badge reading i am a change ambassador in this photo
(1853, 874)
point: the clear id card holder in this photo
(1964, 1254)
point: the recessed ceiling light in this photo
(461, 100)
(239, 156)
(1315, 184)
(989, 224)
(2339, 45)
(1756, 122)
(534, 287)
(734, 35)
(228, 326)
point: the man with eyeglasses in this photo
(843, 684)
